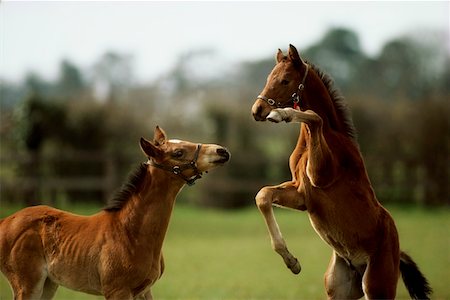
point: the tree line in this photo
(398, 98)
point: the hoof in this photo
(295, 267)
(274, 116)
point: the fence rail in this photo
(29, 178)
(48, 180)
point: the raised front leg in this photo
(321, 167)
(285, 195)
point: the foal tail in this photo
(415, 282)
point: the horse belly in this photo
(70, 256)
(347, 244)
(74, 276)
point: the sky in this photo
(37, 35)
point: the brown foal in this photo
(116, 252)
(330, 182)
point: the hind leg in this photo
(24, 266)
(342, 281)
(49, 290)
(381, 276)
(146, 296)
(383, 269)
(26, 289)
(45, 291)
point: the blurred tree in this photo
(34, 84)
(443, 86)
(37, 120)
(398, 70)
(432, 147)
(70, 84)
(31, 129)
(10, 95)
(252, 75)
(340, 54)
(188, 72)
(411, 68)
(113, 75)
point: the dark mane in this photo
(341, 107)
(132, 185)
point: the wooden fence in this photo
(88, 176)
(46, 179)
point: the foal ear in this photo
(280, 55)
(294, 56)
(149, 149)
(160, 136)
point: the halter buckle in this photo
(176, 170)
(191, 182)
(271, 102)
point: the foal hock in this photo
(330, 182)
(116, 252)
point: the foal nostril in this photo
(224, 153)
(257, 111)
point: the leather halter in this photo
(295, 98)
(179, 169)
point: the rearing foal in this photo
(330, 182)
(116, 252)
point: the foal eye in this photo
(284, 82)
(177, 153)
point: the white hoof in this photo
(274, 116)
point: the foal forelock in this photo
(132, 186)
(340, 106)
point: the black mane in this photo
(342, 110)
(132, 186)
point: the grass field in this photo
(214, 254)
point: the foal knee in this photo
(314, 118)
(264, 199)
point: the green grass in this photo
(214, 254)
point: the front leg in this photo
(293, 115)
(322, 164)
(285, 195)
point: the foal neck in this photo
(146, 214)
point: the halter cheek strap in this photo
(179, 169)
(295, 98)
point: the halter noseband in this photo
(179, 169)
(295, 98)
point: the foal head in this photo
(293, 83)
(185, 159)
